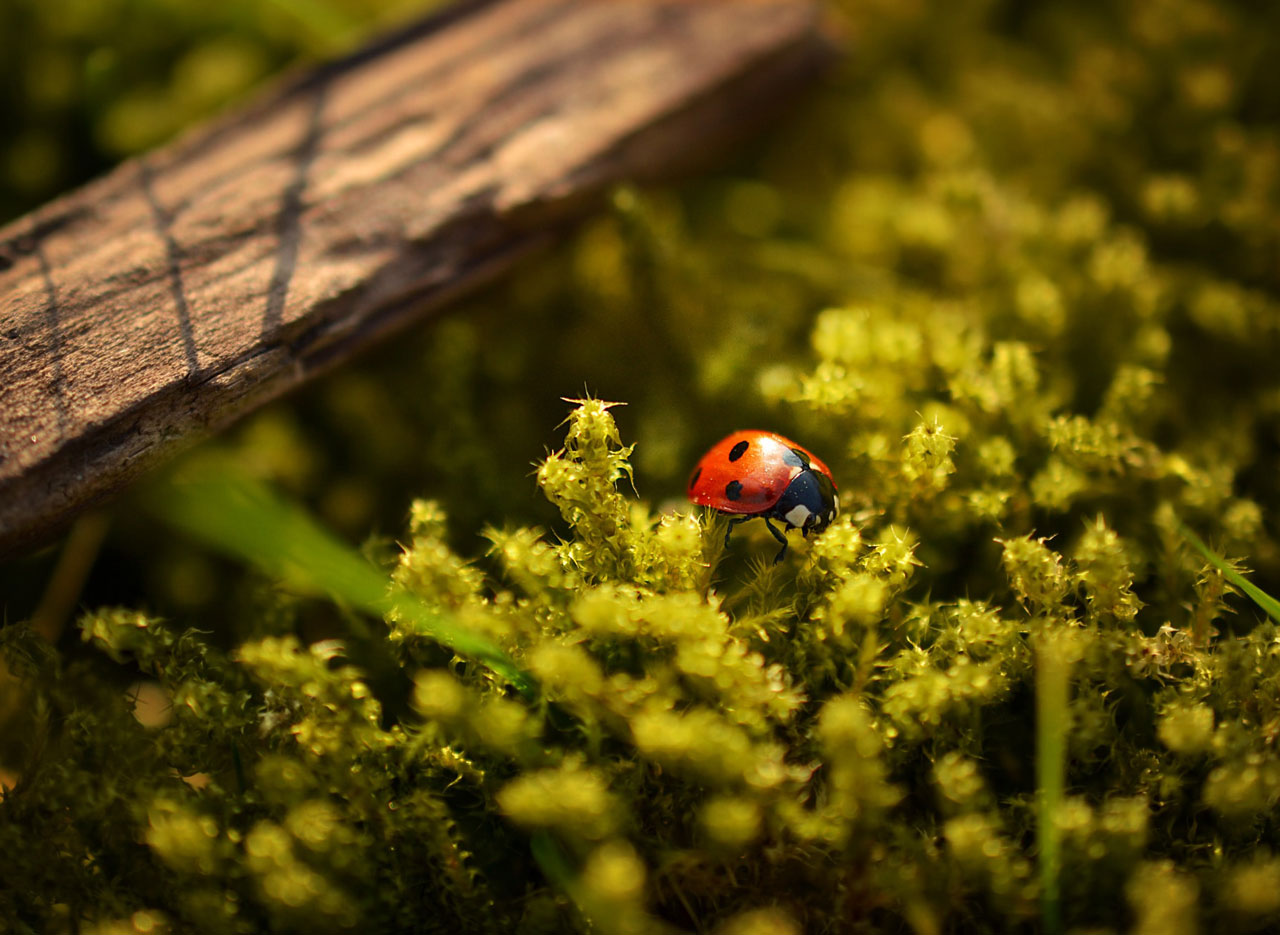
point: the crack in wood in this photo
(289, 237)
(173, 254)
(52, 316)
(46, 221)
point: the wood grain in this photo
(188, 286)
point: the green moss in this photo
(673, 747)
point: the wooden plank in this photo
(188, 286)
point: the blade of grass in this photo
(330, 27)
(69, 575)
(1259, 596)
(1056, 650)
(551, 860)
(216, 503)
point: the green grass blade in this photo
(328, 24)
(551, 860)
(235, 514)
(1056, 651)
(1259, 596)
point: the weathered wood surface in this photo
(194, 283)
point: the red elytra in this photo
(756, 473)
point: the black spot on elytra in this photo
(694, 480)
(738, 450)
(733, 489)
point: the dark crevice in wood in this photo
(290, 223)
(53, 326)
(164, 228)
(48, 220)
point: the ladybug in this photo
(754, 473)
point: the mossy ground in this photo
(1013, 275)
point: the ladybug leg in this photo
(733, 522)
(781, 537)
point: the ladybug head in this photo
(809, 502)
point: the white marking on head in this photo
(799, 513)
